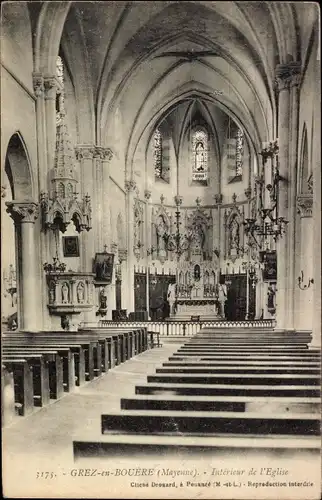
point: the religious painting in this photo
(103, 267)
(70, 246)
(270, 266)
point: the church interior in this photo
(161, 234)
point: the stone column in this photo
(39, 90)
(105, 155)
(130, 191)
(216, 235)
(295, 79)
(25, 214)
(148, 245)
(283, 80)
(85, 156)
(304, 204)
(50, 85)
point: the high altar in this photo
(196, 290)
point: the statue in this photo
(234, 234)
(222, 298)
(161, 228)
(171, 296)
(80, 292)
(65, 293)
(103, 299)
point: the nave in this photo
(217, 395)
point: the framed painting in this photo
(103, 267)
(70, 246)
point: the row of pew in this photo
(220, 388)
(39, 367)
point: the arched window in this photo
(157, 154)
(200, 156)
(239, 152)
(60, 105)
(235, 151)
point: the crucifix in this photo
(105, 248)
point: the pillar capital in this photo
(103, 153)
(288, 75)
(147, 194)
(22, 212)
(90, 151)
(85, 151)
(51, 85)
(130, 185)
(38, 84)
(304, 205)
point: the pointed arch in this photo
(303, 171)
(18, 169)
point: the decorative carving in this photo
(310, 184)
(69, 293)
(162, 198)
(130, 185)
(304, 205)
(122, 254)
(38, 84)
(84, 151)
(248, 193)
(4, 191)
(65, 292)
(22, 212)
(288, 75)
(138, 228)
(147, 194)
(199, 226)
(80, 290)
(103, 153)
(233, 234)
(218, 198)
(178, 200)
(51, 85)
(62, 204)
(234, 197)
(198, 201)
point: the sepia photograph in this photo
(161, 250)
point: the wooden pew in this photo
(64, 352)
(8, 411)
(47, 372)
(87, 344)
(23, 383)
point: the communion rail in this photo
(186, 328)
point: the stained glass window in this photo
(60, 93)
(239, 152)
(200, 156)
(157, 154)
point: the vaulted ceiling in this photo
(141, 59)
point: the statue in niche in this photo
(52, 292)
(103, 299)
(161, 230)
(65, 293)
(196, 273)
(80, 292)
(234, 234)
